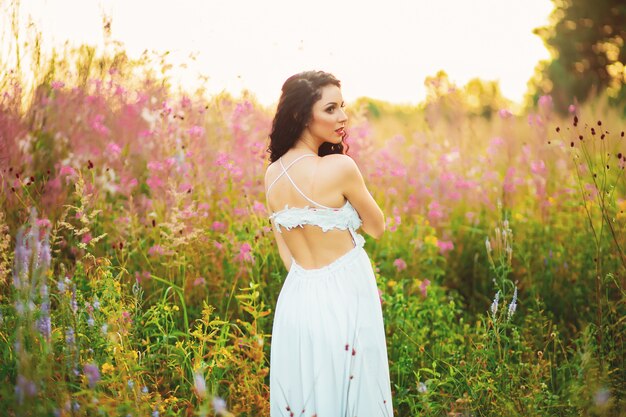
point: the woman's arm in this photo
(283, 250)
(355, 190)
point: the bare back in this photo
(309, 245)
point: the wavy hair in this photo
(295, 106)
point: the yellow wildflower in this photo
(107, 368)
(175, 308)
(431, 240)
(166, 308)
(391, 283)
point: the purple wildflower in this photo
(494, 305)
(70, 337)
(92, 373)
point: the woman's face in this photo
(328, 119)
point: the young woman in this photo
(328, 350)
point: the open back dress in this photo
(328, 352)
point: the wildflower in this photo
(199, 384)
(545, 101)
(400, 264)
(156, 250)
(70, 337)
(504, 113)
(601, 397)
(131, 383)
(421, 387)
(431, 240)
(219, 405)
(435, 211)
(445, 246)
(104, 329)
(73, 302)
(245, 253)
(155, 413)
(90, 321)
(513, 305)
(195, 131)
(424, 286)
(44, 325)
(488, 245)
(144, 389)
(113, 149)
(107, 368)
(44, 253)
(258, 207)
(86, 238)
(96, 303)
(24, 388)
(92, 373)
(494, 305)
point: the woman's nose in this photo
(342, 116)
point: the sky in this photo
(379, 49)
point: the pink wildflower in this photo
(67, 170)
(154, 182)
(400, 264)
(434, 211)
(245, 253)
(222, 159)
(424, 286)
(155, 166)
(545, 101)
(98, 125)
(258, 207)
(86, 238)
(156, 250)
(445, 246)
(56, 85)
(504, 114)
(199, 281)
(45, 223)
(218, 226)
(196, 131)
(113, 149)
(537, 167)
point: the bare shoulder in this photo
(341, 164)
(268, 172)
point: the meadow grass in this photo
(138, 270)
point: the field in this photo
(138, 270)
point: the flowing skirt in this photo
(328, 352)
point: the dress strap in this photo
(297, 188)
(285, 169)
(291, 180)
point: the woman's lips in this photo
(340, 130)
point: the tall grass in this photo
(138, 271)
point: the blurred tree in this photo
(586, 40)
(477, 98)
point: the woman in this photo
(328, 352)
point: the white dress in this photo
(328, 351)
